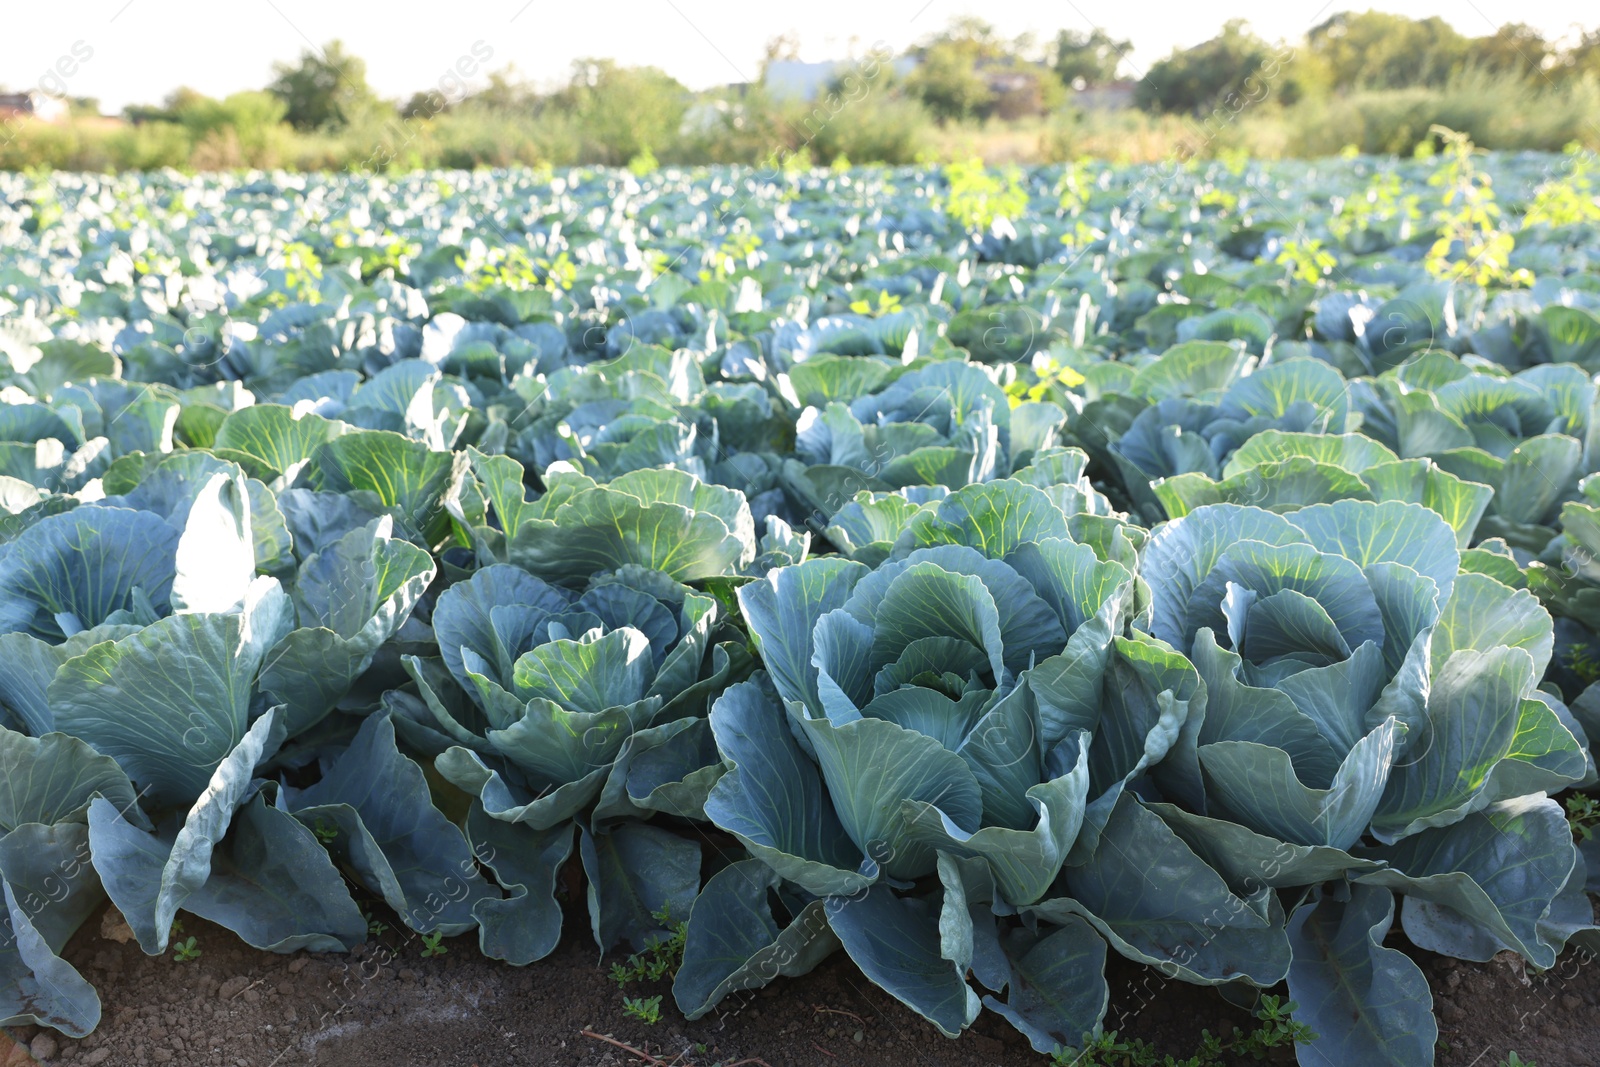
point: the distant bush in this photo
(1506, 112)
(890, 130)
(874, 124)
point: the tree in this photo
(1020, 90)
(947, 79)
(975, 37)
(166, 111)
(424, 104)
(1515, 48)
(1582, 58)
(948, 84)
(242, 128)
(506, 91)
(1084, 59)
(181, 97)
(783, 48)
(1374, 50)
(1233, 70)
(1195, 79)
(326, 89)
(622, 111)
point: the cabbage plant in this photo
(664, 520)
(937, 740)
(47, 875)
(1371, 715)
(1284, 471)
(1527, 436)
(1205, 407)
(167, 684)
(945, 424)
(558, 711)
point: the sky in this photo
(136, 51)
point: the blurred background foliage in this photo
(1372, 81)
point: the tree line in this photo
(967, 71)
(1375, 75)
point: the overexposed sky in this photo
(139, 50)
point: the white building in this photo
(795, 79)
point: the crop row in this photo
(976, 574)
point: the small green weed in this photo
(375, 926)
(185, 950)
(643, 163)
(513, 268)
(1584, 663)
(1568, 200)
(646, 1009)
(432, 945)
(737, 252)
(1382, 204)
(1275, 1029)
(1583, 813)
(1052, 376)
(661, 960)
(978, 196)
(1469, 217)
(887, 303)
(1308, 262)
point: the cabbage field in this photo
(976, 573)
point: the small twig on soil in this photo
(820, 1010)
(624, 1046)
(654, 1061)
(247, 989)
(824, 1051)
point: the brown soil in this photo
(388, 1006)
